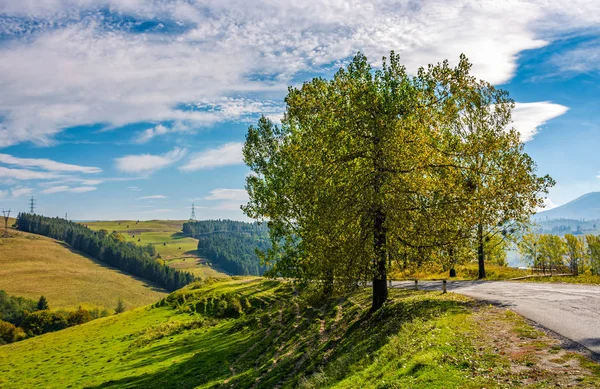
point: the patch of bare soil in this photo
(530, 357)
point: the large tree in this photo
(369, 166)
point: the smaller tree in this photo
(593, 243)
(575, 252)
(120, 306)
(528, 248)
(552, 250)
(42, 304)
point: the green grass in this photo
(254, 333)
(33, 265)
(177, 250)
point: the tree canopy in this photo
(375, 166)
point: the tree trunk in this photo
(480, 253)
(380, 291)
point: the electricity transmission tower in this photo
(31, 205)
(6, 216)
(193, 215)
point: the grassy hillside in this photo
(177, 250)
(252, 333)
(32, 265)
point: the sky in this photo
(135, 109)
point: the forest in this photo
(109, 248)
(231, 244)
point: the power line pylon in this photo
(193, 215)
(6, 216)
(31, 205)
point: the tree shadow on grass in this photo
(276, 346)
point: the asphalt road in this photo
(572, 311)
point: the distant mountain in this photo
(586, 207)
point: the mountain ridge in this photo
(585, 207)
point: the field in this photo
(252, 333)
(32, 265)
(177, 250)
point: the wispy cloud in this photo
(18, 192)
(228, 194)
(134, 188)
(26, 174)
(529, 117)
(147, 163)
(89, 64)
(46, 164)
(152, 197)
(65, 188)
(228, 154)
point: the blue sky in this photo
(113, 109)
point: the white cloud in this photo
(91, 182)
(150, 133)
(228, 194)
(82, 189)
(71, 68)
(47, 164)
(65, 188)
(18, 192)
(529, 117)
(147, 163)
(228, 154)
(581, 59)
(134, 188)
(153, 197)
(548, 205)
(56, 189)
(26, 174)
(3, 194)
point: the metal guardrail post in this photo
(444, 286)
(416, 285)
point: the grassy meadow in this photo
(177, 250)
(33, 265)
(254, 333)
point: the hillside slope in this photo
(177, 250)
(252, 333)
(32, 265)
(584, 207)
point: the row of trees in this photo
(235, 252)
(377, 165)
(196, 229)
(108, 248)
(551, 253)
(232, 245)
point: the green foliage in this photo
(120, 308)
(40, 322)
(375, 165)
(42, 304)
(10, 333)
(110, 249)
(231, 245)
(13, 309)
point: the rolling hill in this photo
(32, 265)
(253, 333)
(586, 207)
(177, 250)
